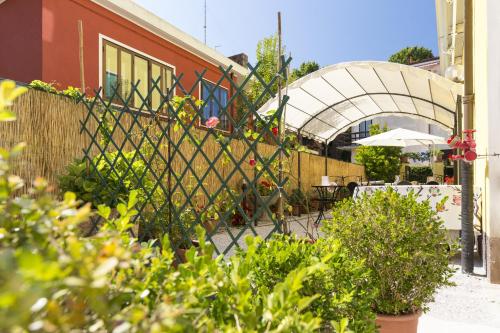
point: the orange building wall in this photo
(43, 43)
(61, 48)
(20, 40)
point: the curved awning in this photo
(327, 102)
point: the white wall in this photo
(493, 120)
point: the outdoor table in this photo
(327, 194)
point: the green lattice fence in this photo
(187, 172)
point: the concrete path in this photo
(299, 225)
(473, 305)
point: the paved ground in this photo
(299, 225)
(473, 305)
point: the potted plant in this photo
(182, 232)
(404, 244)
(268, 197)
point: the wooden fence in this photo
(50, 125)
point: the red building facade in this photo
(40, 40)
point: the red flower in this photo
(275, 130)
(212, 122)
(252, 162)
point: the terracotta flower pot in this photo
(210, 225)
(398, 324)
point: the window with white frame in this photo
(122, 68)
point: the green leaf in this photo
(104, 211)
(6, 115)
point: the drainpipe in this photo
(466, 172)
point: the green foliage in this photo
(420, 174)
(54, 280)
(342, 286)
(297, 197)
(411, 54)
(8, 93)
(108, 180)
(43, 86)
(403, 243)
(72, 93)
(381, 163)
(419, 157)
(267, 54)
(304, 69)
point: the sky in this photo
(326, 31)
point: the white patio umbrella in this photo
(401, 137)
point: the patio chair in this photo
(351, 187)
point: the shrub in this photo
(420, 174)
(401, 240)
(43, 86)
(381, 163)
(342, 285)
(108, 179)
(54, 280)
(72, 93)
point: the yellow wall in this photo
(481, 100)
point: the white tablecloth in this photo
(450, 212)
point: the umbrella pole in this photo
(326, 158)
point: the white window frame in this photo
(103, 38)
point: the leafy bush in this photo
(411, 54)
(420, 174)
(342, 285)
(72, 92)
(401, 240)
(54, 280)
(297, 197)
(108, 179)
(381, 163)
(43, 86)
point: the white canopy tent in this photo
(327, 102)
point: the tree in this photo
(267, 57)
(304, 69)
(381, 163)
(411, 54)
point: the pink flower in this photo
(252, 162)
(212, 122)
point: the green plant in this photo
(265, 187)
(43, 86)
(342, 285)
(304, 69)
(401, 240)
(8, 93)
(267, 56)
(410, 55)
(381, 163)
(419, 174)
(297, 197)
(72, 92)
(108, 179)
(54, 280)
